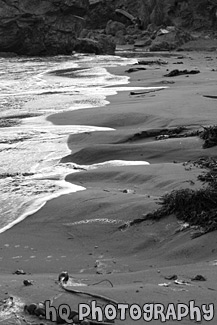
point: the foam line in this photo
(67, 188)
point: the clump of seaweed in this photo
(7, 175)
(209, 134)
(195, 207)
(209, 177)
(4, 123)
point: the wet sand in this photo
(80, 232)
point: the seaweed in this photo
(8, 122)
(196, 207)
(209, 134)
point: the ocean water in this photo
(31, 148)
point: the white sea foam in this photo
(9, 310)
(96, 220)
(30, 153)
(110, 163)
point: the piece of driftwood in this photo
(134, 70)
(109, 300)
(210, 96)
(134, 93)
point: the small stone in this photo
(198, 278)
(27, 282)
(30, 308)
(63, 277)
(39, 312)
(19, 272)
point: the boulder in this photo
(39, 27)
(113, 27)
(167, 40)
(102, 44)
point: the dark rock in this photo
(87, 45)
(134, 70)
(40, 312)
(63, 276)
(30, 308)
(41, 27)
(198, 278)
(102, 44)
(177, 72)
(19, 272)
(170, 41)
(113, 27)
(27, 283)
(154, 13)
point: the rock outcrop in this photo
(50, 27)
(41, 27)
(152, 16)
(99, 44)
(169, 39)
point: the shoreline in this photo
(138, 259)
(40, 125)
(39, 122)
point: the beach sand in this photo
(80, 232)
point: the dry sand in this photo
(80, 232)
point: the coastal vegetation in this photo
(198, 208)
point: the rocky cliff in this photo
(37, 27)
(193, 14)
(156, 24)
(49, 27)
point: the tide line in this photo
(37, 204)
